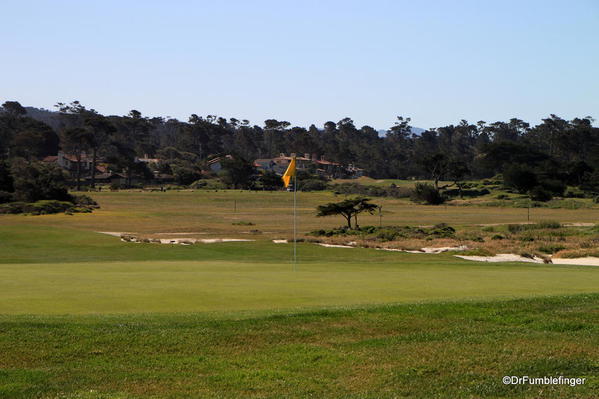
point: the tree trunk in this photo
(348, 217)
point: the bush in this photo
(198, 184)
(519, 177)
(312, 185)
(549, 224)
(12, 207)
(242, 223)
(5, 197)
(540, 194)
(574, 193)
(427, 193)
(34, 181)
(84, 201)
(46, 207)
(497, 237)
(551, 249)
(555, 187)
(42, 207)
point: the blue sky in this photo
(306, 61)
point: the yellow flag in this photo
(289, 173)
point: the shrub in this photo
(540, 194)
(84, 201)
(312, 185)
(12, 207)
(549, 224)
(497, 237)
(502, 196)
(555, 187)
(198, 184)
(427, 193)
(5, 197)
(34, 181)
(551, 249)
(243, 223)
(520, 177)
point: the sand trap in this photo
(588, 261)
(179, 234)
(280, 241)
(113, 233)
(335, 246)
(214, 240)
(501, 258)
(443, 249)
(431, 250)
(579, 224)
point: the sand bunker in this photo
(502, 258)
(335, 246)
(131, 237)
(430, 250)
(113, 233)
(280, 241)
(588, 261)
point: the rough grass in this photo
(446, 350)
(214, 212)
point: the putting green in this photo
(226, 286)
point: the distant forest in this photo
(554, 152)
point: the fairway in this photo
(86, 315)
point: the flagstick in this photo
(294, 223)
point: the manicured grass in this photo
(71, 272)
(84, 315)
(447, 350)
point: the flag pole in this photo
(294, 222)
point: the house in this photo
(215, 164)
(70, 162)
(307, 162)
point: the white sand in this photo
(335, 246)
(113, 233)
(588, 261)
(443, 249)
(280, 241)
(501, 258)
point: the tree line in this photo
(548, 156)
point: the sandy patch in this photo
(501, 258)
(179, 234)
(215, 240)
(430, 250)
(588, 261)
(280, 241)
(579, 224)
(113, 233)
(335, 246)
